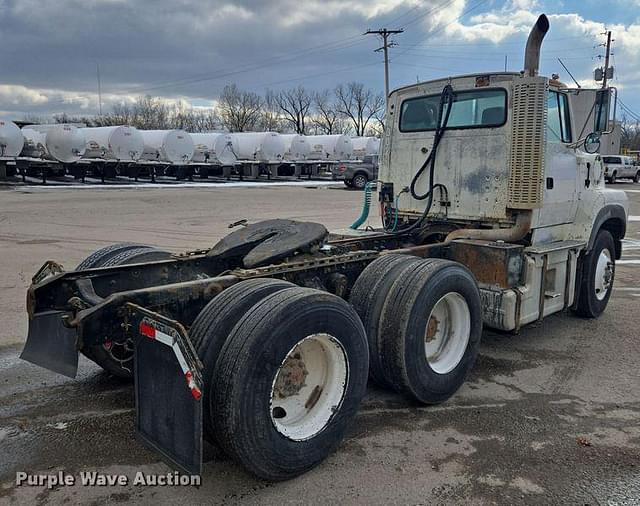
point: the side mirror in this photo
(592, 143)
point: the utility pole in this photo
(99, 89)
(606, 60)
(385, 34)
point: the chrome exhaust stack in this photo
(534, 42)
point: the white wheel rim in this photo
(447, 334)
(604, 274)
(309, 387)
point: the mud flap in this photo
(52, 345)
(168, 389)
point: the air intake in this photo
(528, 129)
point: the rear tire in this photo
(636, 178)
(368, 296)
(213, 325)
(613, 178)
(289, 379)
(117, 358)
(431, 326)
(359, 181)
(598, 272)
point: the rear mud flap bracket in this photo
(168, 389)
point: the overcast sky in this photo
(189, 49)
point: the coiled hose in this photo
(366, 205)
(447, 98)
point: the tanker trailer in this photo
(168, 146)
(214, 147)
(11, 139)
(62, 143)
(331, 147)
(259, 146)
(296, 147)
(122, 143)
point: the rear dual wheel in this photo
(288, 378)
(116, 357)
(423, 319)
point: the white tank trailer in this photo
(331, 147)
(62, 143)
(296, 147)
(11, 139)
(168, 146)
(122, 143)
(214, 147)
(259, 146)
(363, 146)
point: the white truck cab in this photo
(501, 161)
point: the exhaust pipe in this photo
(532, 51)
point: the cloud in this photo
(188, 50)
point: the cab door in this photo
(560, 201)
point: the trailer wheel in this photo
(215, 322)
(117, 357)
(368, 296)
(598, 272)
(431, 326)
(290, 378)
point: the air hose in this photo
(366, 204)
(446, 100)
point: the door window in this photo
(558, 120)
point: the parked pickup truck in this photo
(357, 174)
(616, 167)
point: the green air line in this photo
(365, 206)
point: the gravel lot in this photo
(548, 416)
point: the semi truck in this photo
(492, 212)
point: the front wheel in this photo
(289, 380)
(598, 271)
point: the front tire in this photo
(598, 272)
(289, 379)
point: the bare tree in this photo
(630, 134)
(239, 110)
(327, 119)
(358, 104)
(295, 104)
(270, 118)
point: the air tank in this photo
(259, 146)
(122, 143)
(169, 146)
(11, 139)
(330, 147)
(363, 146)
(63, 143)
(214, 147)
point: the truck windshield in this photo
(471, 109)
(611, 159)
